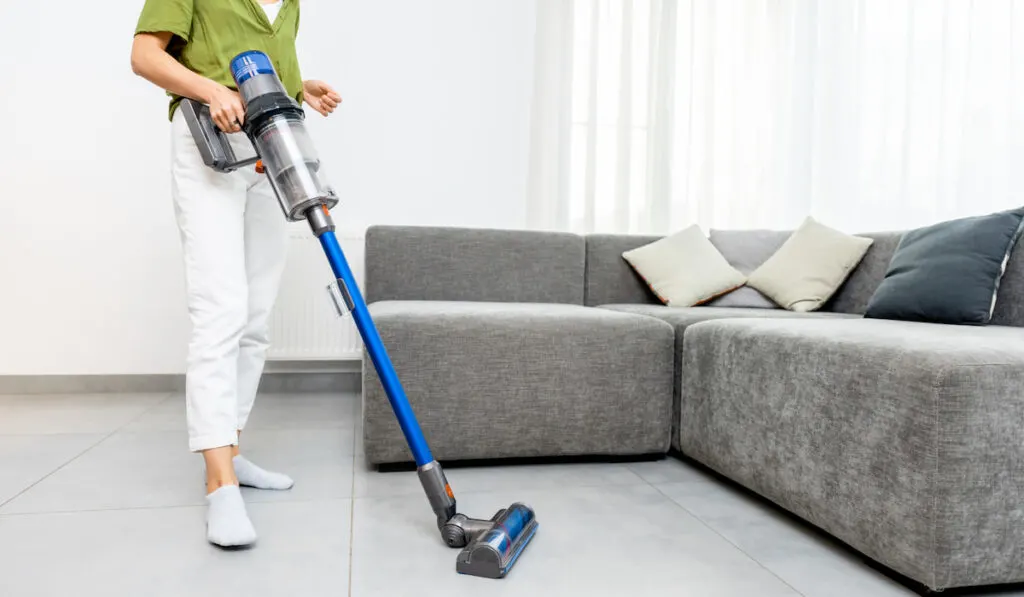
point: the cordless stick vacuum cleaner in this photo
(284, 151)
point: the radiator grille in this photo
(304, 324)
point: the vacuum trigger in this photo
(259, 167)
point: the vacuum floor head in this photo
(489, 548)
(493, 552)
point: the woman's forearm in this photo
(151, 61)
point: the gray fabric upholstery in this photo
(746, 250)
(901, 439)
(610, 278)
(854, 294)
(470, 264)
(493, 380)
(683, 317)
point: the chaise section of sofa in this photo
(611, 283)
(901, 439)
(681, 318)
(499, 357)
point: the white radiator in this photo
(304, 325)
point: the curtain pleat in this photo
(866, 114)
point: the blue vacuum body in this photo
(274, 123)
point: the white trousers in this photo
(234, 240)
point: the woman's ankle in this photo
(215, 484)
(219, 469)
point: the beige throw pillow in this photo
(809, 267)
(684, 269)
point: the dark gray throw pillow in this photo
(948, 272)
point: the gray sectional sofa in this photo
(903, 440)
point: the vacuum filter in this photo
(275, 124)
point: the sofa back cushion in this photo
(853, 296)
(609, 278)
(747, 250)
(471, 264)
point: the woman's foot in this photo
(251, 475)
(227, 523)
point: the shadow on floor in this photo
(807, 527)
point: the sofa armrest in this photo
(473, 264)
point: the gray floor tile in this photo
(369, 482)
(272, 411)
(319, 460)
(303, 411)
(127, 470)
(668, 470)
(125, 516)
(25, 459)
(806, 559)
(71, 413)
(166, 415)
(624, 540)
(303, 549)
(155, 469)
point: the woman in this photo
(232, 229)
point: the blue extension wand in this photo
(274, 123)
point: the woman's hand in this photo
(226, 108)
(320, 96)
(151, 61)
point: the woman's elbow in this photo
(143, 47)
(136, 60)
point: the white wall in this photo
(433, 130)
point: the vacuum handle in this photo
(213, 145)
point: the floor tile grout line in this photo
(463, 491)
(727, 540)
(259, 503)
(86, 451)
(352, 498)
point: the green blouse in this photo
(209, 33)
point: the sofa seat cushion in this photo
(682, 317)
(901, 439)
(495, 380)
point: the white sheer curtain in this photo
(650, 115)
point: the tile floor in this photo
(98, 496)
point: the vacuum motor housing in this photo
(274, 122)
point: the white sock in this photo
(251, 475)
(227, 523)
